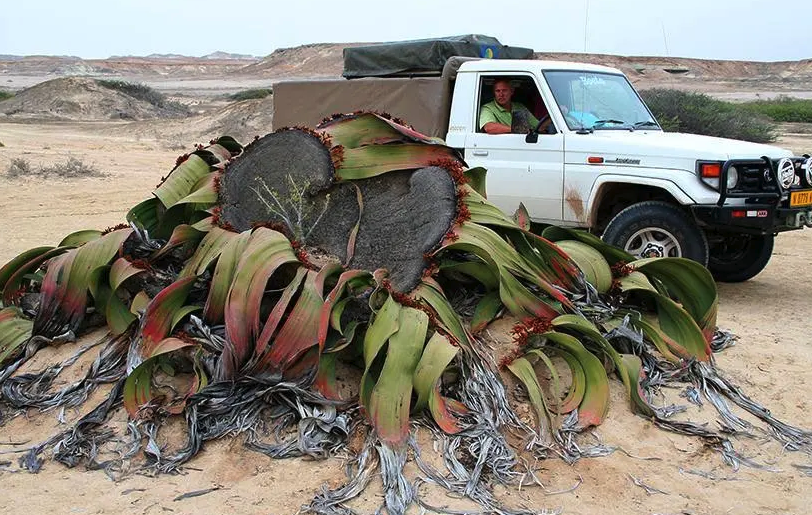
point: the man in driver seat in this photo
(496, 117)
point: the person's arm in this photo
(496, 128)
(488, 123)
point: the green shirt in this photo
(493, 112)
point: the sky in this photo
(753, 30)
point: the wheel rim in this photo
(731, 249)
(653, 242)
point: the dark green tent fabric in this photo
(423, 56)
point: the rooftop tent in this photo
(423, 56)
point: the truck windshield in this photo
(598, 101)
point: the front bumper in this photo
(766, 208)
(752, 218)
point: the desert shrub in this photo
(251, 94)
(145, 93)
(696, 113)
(71, 169)
(19, 167)
(782, 109)
(5, 95)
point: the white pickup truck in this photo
(602, 164)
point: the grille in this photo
(751, 179)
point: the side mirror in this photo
(532, 137)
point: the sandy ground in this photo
(772, 361)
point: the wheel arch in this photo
(613, 193)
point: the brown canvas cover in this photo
(422, 102)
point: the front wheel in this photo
(738, 257)
(657, 229)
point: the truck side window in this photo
(511, 104)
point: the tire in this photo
(736, 258)
(657, 229)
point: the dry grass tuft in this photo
(71, 169)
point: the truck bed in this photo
(423, 102)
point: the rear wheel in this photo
(657, 229)
(738, 257)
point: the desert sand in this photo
(771, 361)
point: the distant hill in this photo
(326, 60)
(165, 56)
(80, 98)
(226, 55)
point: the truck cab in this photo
(601, 162)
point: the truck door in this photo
(530, 173)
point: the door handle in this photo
(480, 152)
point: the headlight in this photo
(732, 177)
(786, 173)
(807, 166)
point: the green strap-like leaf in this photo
(430, 294)
(523, 370)
(357, 130)
(146, 215)
(267, 251)
(595, 403)
(578, 386)
(477, 180)
(21, 270)
(485, 213)
(79, 238)
(580, 325)
(373, 160)
(522, 217)
(521, 302)
(64, 306)
(183, 234)
(121, 271)
(594, 266)
(213, 243)
(115, 312)
(19, 261)
(300, 330)
(156, 324)
(436, 357)
(636, 281)
(537, 353)
(691, 284)
(476, 270)
(389, 402)
(664, 344)
(676, 327)
(15, 330)
(182, 313)
(138, 390)
(385, 323)
(182, 180)
(223, 275)
(634, 369)
(140, 302)
(612, 254)
(204, 192)
(325, 382)
(487, 309)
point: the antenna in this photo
(586, 22)
(665, 39)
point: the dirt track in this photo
(772, 362)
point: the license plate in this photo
(800, 198)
